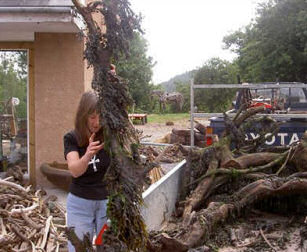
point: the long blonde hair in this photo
(88, 105)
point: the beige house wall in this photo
(61, 76)
(88, 76)
(57, 78)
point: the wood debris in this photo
(28, 221)
(230, 177)
(169, 154)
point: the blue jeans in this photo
(87, 216)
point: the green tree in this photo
(275, 45)
(22, 62)
(137, 70)
(215, 71)
(184, 89)
(13, 80)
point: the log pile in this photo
(169, 154)
(28, 220)
(229, 178)
(183, 136)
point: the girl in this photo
(88, 163)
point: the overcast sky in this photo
(183, 34)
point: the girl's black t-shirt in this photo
(89, 185)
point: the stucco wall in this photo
(88, 77)
(59, 83)
(36, 3)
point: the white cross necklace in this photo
(94, 161)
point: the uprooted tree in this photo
(110, 26)
(230, 176)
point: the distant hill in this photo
(169, 85)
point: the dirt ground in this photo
(259, 232)
(156, 131)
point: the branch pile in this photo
(29, 222)
(230, 177)
(169, 154)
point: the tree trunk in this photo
(211, 158)
(299, 158)
(250, 160)
(125, 175)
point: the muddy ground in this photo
(261, 231)
(257, 231)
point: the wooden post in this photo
(31, 118)
(192, 112)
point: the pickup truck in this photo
(289, 104)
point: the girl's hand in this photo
(93, 147)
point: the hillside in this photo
(169, 85)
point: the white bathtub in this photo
(160, 198)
